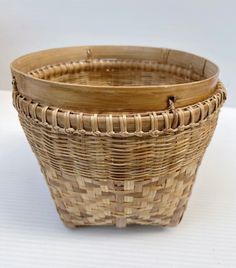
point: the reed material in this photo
(119, 132)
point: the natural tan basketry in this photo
(119, 132)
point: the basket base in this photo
(159, 201)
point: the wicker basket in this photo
(119, 132)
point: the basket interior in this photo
(117, 72)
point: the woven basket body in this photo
(119, 132)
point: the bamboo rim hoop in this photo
(109, 98)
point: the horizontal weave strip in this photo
(152, 123)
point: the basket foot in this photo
(70, 225)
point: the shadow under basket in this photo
(119, 132)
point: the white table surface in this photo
(32, 235)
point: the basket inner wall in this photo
(115, 72)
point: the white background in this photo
(204, 27)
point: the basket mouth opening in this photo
(114, 78)
(117, 72)
(115, 66)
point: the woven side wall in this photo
(98, 180)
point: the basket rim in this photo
(179, 85)
(108, 98)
